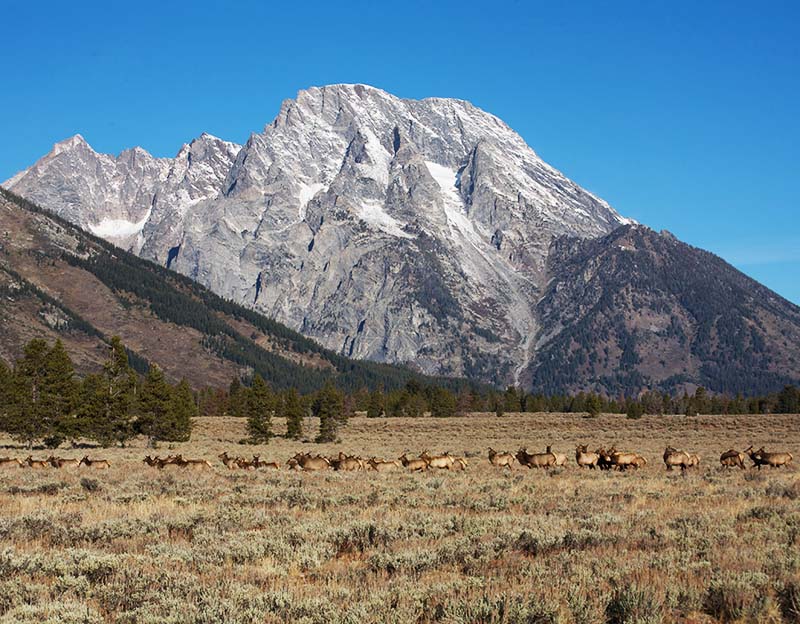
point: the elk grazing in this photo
(97, 464)
(694, 460)
(309, 462)
(536, 460)
(11, 462)
(673, 457)
(62, 462)
(503, 460)
(413, 464)
(639, 462)
(561, 459)
(36, 463)
(763, 458)
(732, 458)
(153, 462)
(584, 458)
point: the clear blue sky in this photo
(683, 115)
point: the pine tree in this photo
(259, 411)
(59, 396)
(237, 398)
(154, 406)
(634, 409)
(114, 423)
(5, 394)
(376, 405)
(28, 420)
(293, 411)
(182, 410)
(442, 402)
(593, 404)
(328, 408)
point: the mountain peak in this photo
(391, 229)
(76, 141)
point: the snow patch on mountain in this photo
(119, 228)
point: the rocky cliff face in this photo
(427, 232)
(389, 229)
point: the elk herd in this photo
(610, 459)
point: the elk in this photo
(264, 464)
(310, 463)
(228, 461)
(61, 462)
(346, 462)
(673, 457)
(561, 459)
(97, 464)
(438, 461)
(584, 458)
(639, 462)
(503, 460)
(732, 458)
(604, 459)
(762, 458)
(384, 465)
(623, 460)
(36, 463)
(694, 460)
(536, 460)
(199, 464)
(11, 462)
(414, 464)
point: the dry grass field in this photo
(135, 544)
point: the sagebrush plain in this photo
(138, 544)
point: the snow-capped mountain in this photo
(397, 230)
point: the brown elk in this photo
(97, 464)
(11, 462)
(561, 459)
(584, 458)
(639, 462)
(732, 458)
(264, 464)
(604, 459)
(309, 462)
(503, 460)
(62, 462)
(624, 460)
(228, 461)
(197, 464)
(347, 463)
(694, 460)
(537, 460)
(673, 457)
(36, 463)
(384, 465)
(763, 458)
(413, 464)
(444, 461)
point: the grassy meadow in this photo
(135, 544)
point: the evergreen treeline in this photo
(42, 400)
